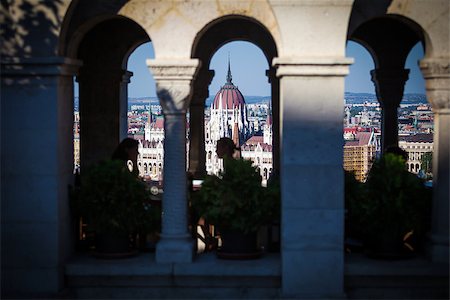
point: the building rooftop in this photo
(417, 138)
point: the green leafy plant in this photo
(390, 204)
(235, 199)
(114, 200)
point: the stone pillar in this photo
(275, 95)
(389, 86)
(123, 106)
(437, 77)
(173, 85)
(312, 179)
(36, 169)
(197, 154)
(101, 95)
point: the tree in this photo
(426, 162)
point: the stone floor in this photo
(209, 277)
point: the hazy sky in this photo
(248, 66)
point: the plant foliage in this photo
(391, 202)
(114, 200)
(235, 199)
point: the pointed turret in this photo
(150, 115)
(229, 77)
(269, 115)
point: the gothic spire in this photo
(229, 78)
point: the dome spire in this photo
(229, 77)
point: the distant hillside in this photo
(143, 100)
(248, 99)
(359, 98)
(350, 98)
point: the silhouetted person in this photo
(226, 148)
(127, 151)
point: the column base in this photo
(438, 249)
(338, 296)
(175, 250)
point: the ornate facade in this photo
(416, 146)
(228, 118)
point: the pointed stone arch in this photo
(207, 41)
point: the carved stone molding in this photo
(201, 87)
(174, 97)
(176, 69)
(271, 74)
(311, 66)
(45, 66)
(106, 77)
(312, 2)
(435, 68)
(389, 85)
(127, 76)
(437, 83)
(174, 82)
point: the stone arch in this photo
(103, 81)
(208, 40)
(80, 18)
(389, 39)
(433, 32)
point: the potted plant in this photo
(392, 209)
(237, 204)
(116, 206)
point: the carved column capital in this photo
(127, 76)
(271, 74)
(437, 83)
(311, 66)
(389, 85)
(174, 82)
(103, 76)
(201, 87)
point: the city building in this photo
(260, 153)
(228, 118)
(359, 153)
(416, 146)
(76, 140)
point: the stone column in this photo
(101, 95)
(123, 106)
(312, 181)
(275, 95)
(174, 86)
(389, 86)
(36, 169)
(197, 154)
(437, 77)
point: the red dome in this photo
(231, 97)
